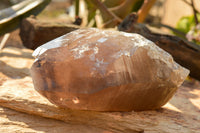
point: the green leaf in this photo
(186, 23)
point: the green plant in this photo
(190, 24)
(186, 23)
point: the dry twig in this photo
(194, 11)
(4, 40)
(107, 14)
(189, 4)
(124, 8)
(144, 10)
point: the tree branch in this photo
(186, 2)
(124, 8)
(195, 13)
(170, 28)
(104, 10)
(144, 10)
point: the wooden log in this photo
(34, 33)
(180, 115)
(185, 53)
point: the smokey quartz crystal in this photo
(105, 70)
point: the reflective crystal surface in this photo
(104, 70)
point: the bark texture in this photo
(34, 33)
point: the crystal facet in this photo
(105, 70)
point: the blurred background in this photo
(167, 12)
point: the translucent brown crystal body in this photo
(102, 70)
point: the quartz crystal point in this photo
(104, 70)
